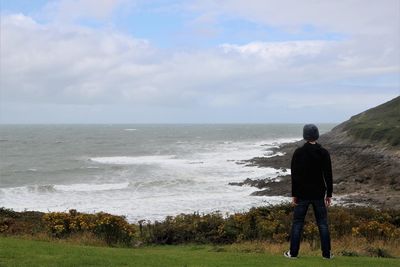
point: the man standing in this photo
(311, 184)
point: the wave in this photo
(281, 141)
(40, 188)
(130, 129)
(235, 151)
(50, 188)
(271, 154)
(178, 182)
(126, 160)
(91, 187)
(22, 190)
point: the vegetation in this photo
(380, 124)
(112, 229)
(270, 224)
(20, 252)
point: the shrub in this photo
(113, 229)
(348, 253)
(185, 228)
(379, 252)
(269, 223)
(9, 213)
(373, 230)
(27, 222)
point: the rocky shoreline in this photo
(363, 173)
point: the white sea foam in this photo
(136, 205)
(271, 154)
(130, 129)
(36, 188)
(91, 187)
(126, 160)
(171, 184)
(65, 188)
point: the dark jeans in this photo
(321, 216)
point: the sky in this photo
(196, 61)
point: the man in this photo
(311, 184)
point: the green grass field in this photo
(21, 252)
(378, 124)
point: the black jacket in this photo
(311, 172)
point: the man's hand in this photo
(328, 201)
(294, 201)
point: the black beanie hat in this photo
(310, 132)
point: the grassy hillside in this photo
(378, 124)
(19, 252)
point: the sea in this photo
(141, 171)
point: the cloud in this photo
(350, 16)
(331, 99)
(276, 52)
(48, 63)
(53, 65)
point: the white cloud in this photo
(48, 63)
(349, 16)
(331, 99)
(73, 65)
(278, 52)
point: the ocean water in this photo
(140, 171)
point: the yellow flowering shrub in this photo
(376, 230)
(113, 229)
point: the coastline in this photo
(363, 173)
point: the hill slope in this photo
(379, 124)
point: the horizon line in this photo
(159, 123)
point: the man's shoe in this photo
(287, 255)
(331, 256)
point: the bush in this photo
(378, 252)
(23, 223)
(269, 223)
(272, 224)
(348, 253)
(113, 229)
(185, 228)
(373, 230)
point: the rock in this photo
(359, 180)
(260, 193)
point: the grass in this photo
(379, 124)
(22, 252)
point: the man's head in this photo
(310, 132)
